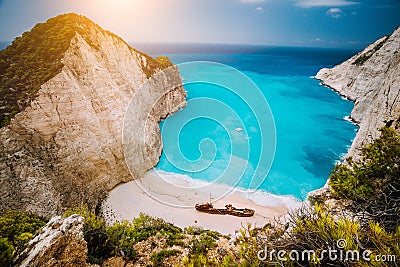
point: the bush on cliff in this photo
(319, 238)
(6, 252)
(119, 238)
(31, 60)
(100, 247)
(373, 182)
(16, 229)
(35, 57)
(372, 185)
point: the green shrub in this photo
(248, 246)
(158, 257)
(315, 231)
(320, 230)
(200, 260)
(163, 62)
(100, 246)
(125, 234)
(175, 239)
(122, 235)
(118, 239)
(6, 252)
(143, 227)
(201, 244)
(192, 230)
(372, 182)
(197, 260)
(18, 227)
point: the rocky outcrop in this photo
(372, 80)
(59, 243)
(65, 149)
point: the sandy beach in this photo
(173, 200)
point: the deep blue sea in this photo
(311, 132)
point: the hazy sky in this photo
(337, 23)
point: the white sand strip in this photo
(149, 195)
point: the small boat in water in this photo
(238, 129)
(229, 210)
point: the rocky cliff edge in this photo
(65, 149)
(372, 80)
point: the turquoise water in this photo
(311, 130)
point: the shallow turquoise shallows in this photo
(311, 130)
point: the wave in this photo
(259, 197)
(348, 118)
(264, 198)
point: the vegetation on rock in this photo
(35, 57)
(305, 239)
(371, 228)
(309, 237)
(127, 239)
(158, 257)
(315, 233)
(119, 239)
(373, 182)
(16, 229)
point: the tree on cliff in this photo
(373, 182)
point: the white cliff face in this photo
(66, 147)
(372, 80)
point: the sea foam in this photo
(259, 197)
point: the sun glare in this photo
(127, 17)
(116, 3)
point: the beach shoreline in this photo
(175, 204)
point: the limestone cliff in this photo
(372, 80)
(65, 148)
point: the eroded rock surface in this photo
(372, 80)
